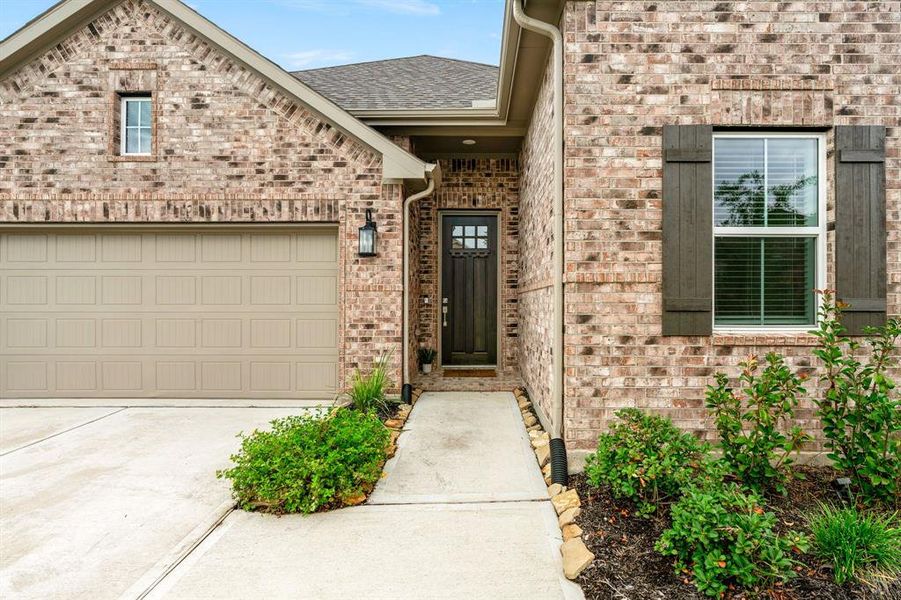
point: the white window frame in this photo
(818, 232)
(122, 117)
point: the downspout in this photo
(406, 337)
(559, 468)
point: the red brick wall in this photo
(536, 250)
(473, 184)
(229, 148)
(633, 67)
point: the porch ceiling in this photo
(444, 146)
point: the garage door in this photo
(223, 313)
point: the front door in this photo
(469, 290)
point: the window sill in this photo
(772, 337)
(133, 158)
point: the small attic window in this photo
(137, 126)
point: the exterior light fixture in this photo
(469, 142)
(368, 236)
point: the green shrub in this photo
(368, 392)
(751, 423)
(861, 546)
(309, 462)
(646, 458)
(860, 408)
(722, 535)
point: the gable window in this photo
(768, 228)
(137, 126)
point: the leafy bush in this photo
(646, 458)
(861, 546)
(859, 409)
(750, 423)
(722, 535)
(308, 462)
(368, 393)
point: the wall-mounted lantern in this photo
(368, 236)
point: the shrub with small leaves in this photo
(751, 422)
(309, 462)
(862, 546)
(722, 535)
(860, 407)
(647, 459)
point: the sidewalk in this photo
(461, 513)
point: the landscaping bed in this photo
(626, 564)
(325, 459)
(666, 515)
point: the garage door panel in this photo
(169, 314)
(76, 376)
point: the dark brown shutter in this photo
(687, 230)
(860, 250)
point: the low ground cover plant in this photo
(860, 408)
(721, 534)
(647, 459)
(751, 422)
(309, 462)
(862, 546)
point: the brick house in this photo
(179, 217)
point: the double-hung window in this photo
(137, 126)
(768, 228)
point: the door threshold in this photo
(470, 372)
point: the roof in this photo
(51, 26)
(416, 82)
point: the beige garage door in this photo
(175, 313)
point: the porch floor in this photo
(443, 380)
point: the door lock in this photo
(444, 310)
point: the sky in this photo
(305, 34)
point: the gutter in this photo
(559, 468)
(435, 173)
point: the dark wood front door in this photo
(468, 309)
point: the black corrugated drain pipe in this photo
(559, 468)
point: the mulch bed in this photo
(626, 566)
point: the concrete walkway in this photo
(462, 513)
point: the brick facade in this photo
(230, 148)
(478, 184)
(633, 67)
(536, 213)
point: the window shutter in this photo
(860, 250)
(687, 230)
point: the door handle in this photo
(444, 311)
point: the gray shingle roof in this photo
(415, 82)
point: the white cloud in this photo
(310, 59)
(405, 7)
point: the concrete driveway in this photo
(111, 502)
(98, 502)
